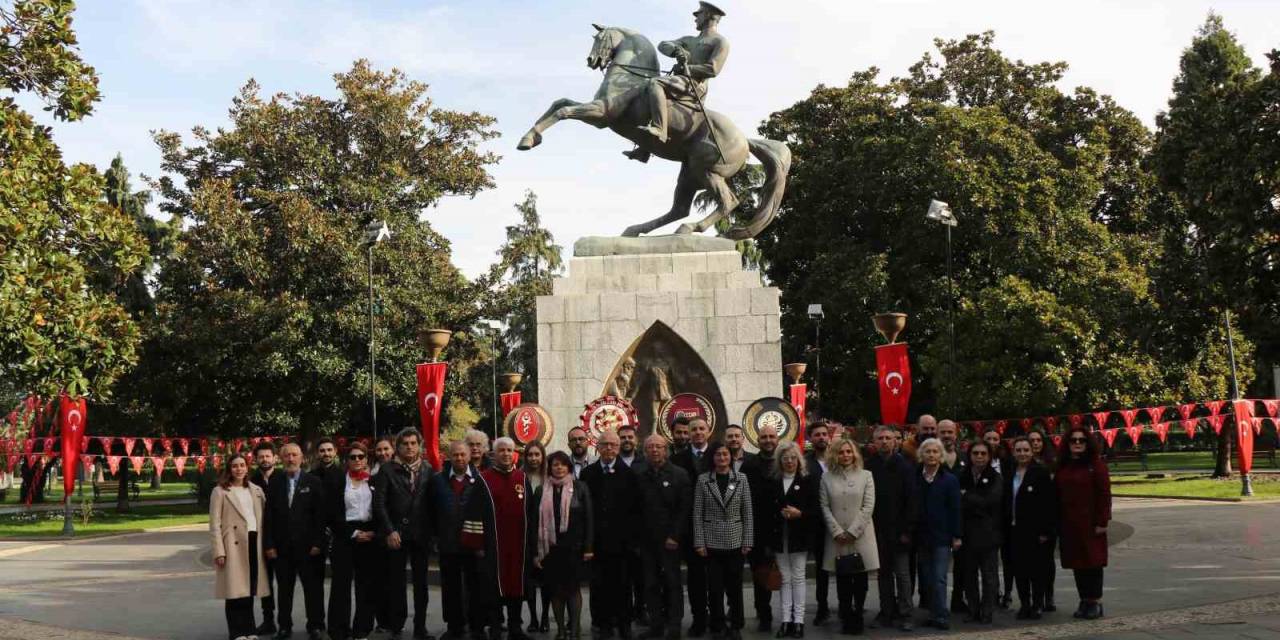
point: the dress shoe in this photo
(624, 632)
(784, 630)
(697, 630)
(942, 625)
(651, 632)
(1079, 610)
(905, 625)
(673, 634)
(517, 634)
(421, 634)
(764, 625)
(1024, 613)
(822, 616)
(1005, 601)
(1048, 606)
(797, 630)
(287, 633)
(1092, 611)
(533, 627)
(266, 628)
(317, 635)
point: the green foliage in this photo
(262, 306)
(1216, 158)
(1055, 309)
(527, 263)
(59, 328)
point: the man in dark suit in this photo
(666, 497)
(463, 597)
(264, 459)
(402, 509)
(954, 460)
(614, 491)
(818, 435)
(895, 520)
(629, 453)
(757, 470)
(295, 525)
(695, 462)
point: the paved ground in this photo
(1181, 569)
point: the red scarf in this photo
(358, 476)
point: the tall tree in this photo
(1216, 162)
(527, 263)
(60, 329)
(1054, 305)
(263, 304)
(134, 291)
(1216, 159)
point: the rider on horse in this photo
(698, 59)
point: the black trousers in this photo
(293, 566)
(724, 578)
(353, 563)
(611, 590)
(397, 601)
(958, 572)
(1089, 583)
(981, 601)
(1006, 565)
(1030, 571)
(819, 549)
(635, 573)
(269, 601)
(239, 611)
(696, 577)
(460, 587)
(1050, 571)
(760, 593)
(851, 593)
(662, 587)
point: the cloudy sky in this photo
(174, 64)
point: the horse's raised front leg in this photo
(686, 188)
(533, 137)
(725, 204)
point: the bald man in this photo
(926, 427)
(294, 521)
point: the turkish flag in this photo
(1110, 436)
(509, 401)
(893, 373)
(113, 464)
(431, 377)
(1243, 410)
(798, 392)
(71, 415)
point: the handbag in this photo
(850, 564)
(768, 575)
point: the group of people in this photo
(650, 526)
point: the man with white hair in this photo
(504, 531)
(666, 501)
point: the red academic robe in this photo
(506, 514)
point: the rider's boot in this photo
(656, 131)
(637, 154)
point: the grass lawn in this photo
(107, 493)
(1194, 486)
(45, 525)
(1172, 461)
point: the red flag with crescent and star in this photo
(431, 377)
(797, 394)
(893, 373)
(71, 415)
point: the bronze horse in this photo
(708, 158)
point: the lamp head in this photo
(815, 312)
(940, 211)
(376, 231)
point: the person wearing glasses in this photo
(354, 555)
(982, 504)
(1084, 498)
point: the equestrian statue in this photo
(664, 116)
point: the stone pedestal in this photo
(608, 305)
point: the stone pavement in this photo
(1180, 569)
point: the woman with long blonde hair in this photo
(848, 500)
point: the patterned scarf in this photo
(546, 512)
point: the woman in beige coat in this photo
(235, 522)
(848, 498)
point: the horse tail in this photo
(776, 158)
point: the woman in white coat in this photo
(235, 522)
(848, 498)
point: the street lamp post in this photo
(374, 232)
(816, 315)
(941, 212)
(495, 329)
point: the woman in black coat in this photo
(1031, 520)
(982, 505)
(563, 533)
(793, 496)
(1044, 453)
